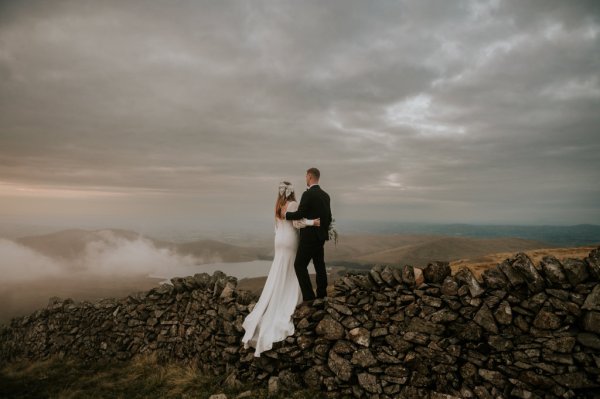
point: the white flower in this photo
(333, 233)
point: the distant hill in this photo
(418, 250)
(70, 245)
(559, 236)
(221, 252)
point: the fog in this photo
(111, 257)
(20, 263)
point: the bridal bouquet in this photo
(333, 233)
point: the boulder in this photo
(553, 271)
(436, 272)
(593, 263)
(576, 270)
(465, 276)
(485, 319)
(330, 329)
(523, 264)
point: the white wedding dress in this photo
(271, 319)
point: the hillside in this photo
(418, 250)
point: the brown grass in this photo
(141, 377)
(481, 263)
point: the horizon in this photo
(187, 116)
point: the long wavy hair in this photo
(282, 200)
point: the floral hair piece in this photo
(288, 189)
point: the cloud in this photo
(21, 263)
(142, 106)
(111, 256)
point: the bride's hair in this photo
(282, 199)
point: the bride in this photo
(271, 319)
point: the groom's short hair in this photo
(315, 172)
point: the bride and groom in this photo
(288, 283)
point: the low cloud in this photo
(21, 263)
(110, 256)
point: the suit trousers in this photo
(308, 250)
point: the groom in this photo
(313, 205)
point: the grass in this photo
(142, 377)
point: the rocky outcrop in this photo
(521, 331)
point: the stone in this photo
(398, 343)
(485, 319)
(534, 379)
(369, 383)
(546, 320)
(313, 377)
(363, 358)
(408, 275)
(339, 366)
(375, 276)
(419, 278)
(444, 316)
(593, 263)
(340, 308)
(232, 381)
(514, 277)
(439, 395)
(576, 270)
(592, 301)
(387, 275)
(482, 392)
(561, 344)
(465, 276)
(493, 377)
(449, 286)
(499, 343)
(423, 326)
(590, 340)
(577, 380)
(379, 332)
(289, 380)
(431, 301)
(330, 329)
(360, 336)
(343, 347)
(436, 272)
(503, 313)
(553, 271)
(273, 386)
(523, 264)
(591, 322)
(416, 337)
(494, 278)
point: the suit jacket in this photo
(315, 203)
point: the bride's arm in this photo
(301, 223)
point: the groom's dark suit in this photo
(314, 204)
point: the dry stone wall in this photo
(521, 331)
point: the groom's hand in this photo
(317, 222)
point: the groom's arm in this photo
(302, 209)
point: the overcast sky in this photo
(183, 113)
